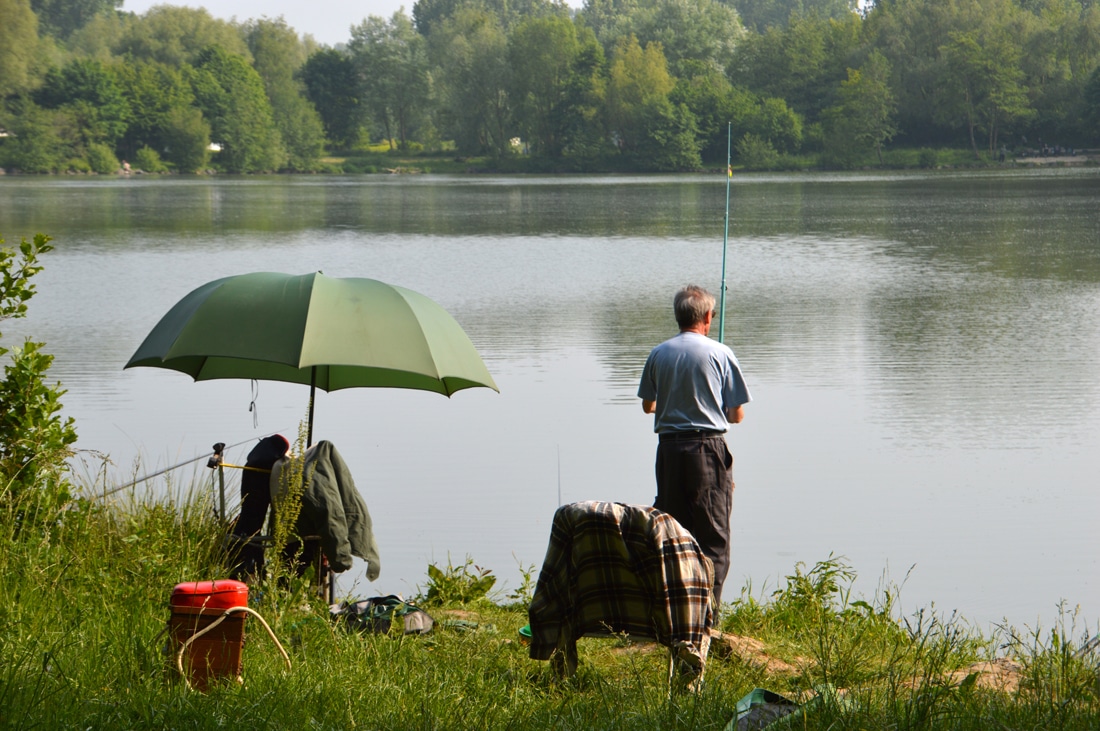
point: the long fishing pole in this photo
(725, 241)
(158, 473)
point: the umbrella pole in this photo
(329, 581)
(312, 393)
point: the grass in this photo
(82, 645)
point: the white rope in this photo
(215, 623)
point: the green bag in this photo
(377, 615)
(762, 709)
(759, 709)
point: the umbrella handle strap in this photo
(225, 615)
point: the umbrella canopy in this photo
(330, 333)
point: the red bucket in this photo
(196, 606)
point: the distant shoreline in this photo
(447, 165)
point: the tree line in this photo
(614, 85)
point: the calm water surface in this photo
(923, 352)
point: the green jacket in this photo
(333, 509)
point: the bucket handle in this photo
(215, 623)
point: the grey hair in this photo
(691, 305)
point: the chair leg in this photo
(564, 659)
(685, 668)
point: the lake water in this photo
(923, 352)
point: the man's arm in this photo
(736, 414)
(649, 407)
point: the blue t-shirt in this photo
(694, 381)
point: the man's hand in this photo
(649, 407)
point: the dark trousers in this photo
(695, 486)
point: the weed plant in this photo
(82, 645)
(287, 503)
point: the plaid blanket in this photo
(616, 568)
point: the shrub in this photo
(358, 165)
(102, 159)
(35, 441)
(465, 584)
(927, 158)
(756, 153)
(39, 142)
(77, 165)
(147, 160)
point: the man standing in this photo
(694, 387)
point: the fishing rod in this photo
(158, 473)
(725, 241)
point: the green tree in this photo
(1092, 106)
(802, 64)
(176, 35)
(638, 79)
(18, 46)
(162, 109)
(542, 53)
(646, 127)
(60, 18)
(958, 66)
(766, 119)
(100, 38)
(35, 441)
(583, 129)
(756, 153)
(704, 89)
(985, 77)
(759, 15)
(428, 14)
(725, 114)
(186, 139)
(688, 30)
(231, 96)
(1060, 42)
(940, 51)
(672, 139)
(392, 65)
(101, 159)
(863, 115)
(90, 92)
(42, 139)
(147, 160)
(604, 17)
(775, 122)
(331, 84)
(277, 55)
(470, 55)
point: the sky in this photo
(328, 21)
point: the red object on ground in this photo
(217, 654)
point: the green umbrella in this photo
(330, 333)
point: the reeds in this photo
(85, 605)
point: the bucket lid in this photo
(220, 594)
